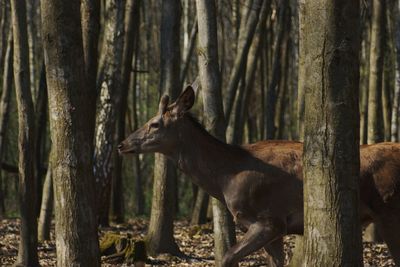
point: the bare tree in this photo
(27, 253)
(331, 146)
(160, 235)
(71, 126)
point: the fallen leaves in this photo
(194, 241)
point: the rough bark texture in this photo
(27, 253)
(109, 103)
(5, 108)
(160, 236)
(210, 79)
(46, 209)
(72, 116)
(331, 148)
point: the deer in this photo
(262, 183)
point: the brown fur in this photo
(261, 183)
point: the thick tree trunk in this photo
(331, 146)
(46, 210)
(210, 78)
(160, 236)
(108, 108)
(27, 253)
(71, 105)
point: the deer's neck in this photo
(209, 162)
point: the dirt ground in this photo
(194, 241)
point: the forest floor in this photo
(195, 241)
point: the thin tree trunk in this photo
(331, 148)
(109, 102)
(244, 43)
(375, 109)
(396, 96)
(131, 32)
(46, 209)
(210, 78)
(27, 253)
(90, 19)
(199, 214)
(188, 54)
(5, 108)
(276, 75)
(72, 109)
(160, 235)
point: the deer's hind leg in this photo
(258, 235)
(388, 226)
(276, 255)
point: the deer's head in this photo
(160, 134)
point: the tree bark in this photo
(72, 118)
(109, 103)
(244, 43)
(90, 19)
(331, 146)
(375, 118)
(46, 209)
(199, 214)
(210, 78)
(160, 236)
(396, 96)
(27, 253)
(5, 108)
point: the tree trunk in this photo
(244, 43)
(210, 78)
(90, 19)
(375, 118)
(72, 109)
(188, 53)
(108, 108)
(375, 109)
(331, 148)
(199, 214)
(160, 236)
(5, 108)
(27, 253)
(276, 75)
(396, 96)
(46, 209)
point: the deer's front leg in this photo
(258, 235)
(275, 253)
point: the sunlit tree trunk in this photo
(108, 107)
(160, 235)
(46, 210)
(210, 78)
(27, 253)
(331, 145)
(72, 118)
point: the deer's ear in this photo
(184, 102)
(162, 107)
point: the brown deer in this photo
(261, 183)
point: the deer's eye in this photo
(154, 125)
